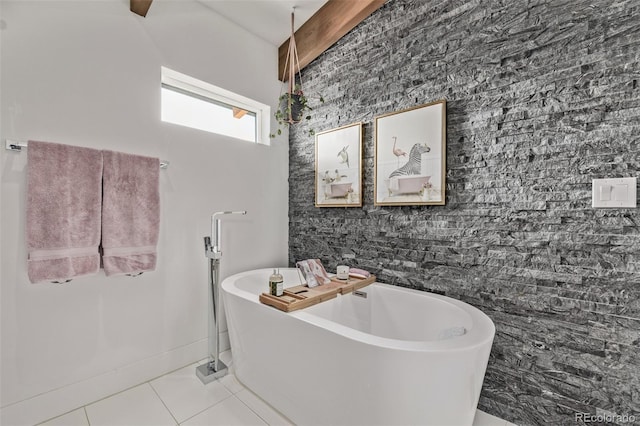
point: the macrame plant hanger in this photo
(291, 63)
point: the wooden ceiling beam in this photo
(330, 23)
(140, 7)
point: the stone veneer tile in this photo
(542, 97)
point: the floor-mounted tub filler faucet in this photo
(215, 368)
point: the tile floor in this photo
(179, 398)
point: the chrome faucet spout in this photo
(216, 227)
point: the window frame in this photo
(202, 90)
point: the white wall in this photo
(88, 73)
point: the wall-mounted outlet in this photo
(613, 193)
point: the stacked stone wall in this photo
(542, 97)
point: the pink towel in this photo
(63, 211)
(130, 213)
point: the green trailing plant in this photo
(293, 107)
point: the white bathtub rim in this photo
(481, 334)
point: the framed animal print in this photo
(339, 167)
(410, 156)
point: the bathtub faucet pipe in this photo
(216, 229)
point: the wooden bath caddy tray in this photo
(301, 296)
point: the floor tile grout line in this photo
(154, 390)
(229, 387)
(86, 415)
(83, 380)
(131, 387)
(121, 392)
(253, 411)
(163, 403)
(249, 407)
(57, 415)
(84, 407)
(266, 403)
(209, 407)
(112, 395)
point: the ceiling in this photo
(268, 19)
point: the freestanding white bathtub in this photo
(395, 357)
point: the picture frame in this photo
(338, 177)
(410, 156)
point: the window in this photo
(193, 103)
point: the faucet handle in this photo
(209, 251)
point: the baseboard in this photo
(67, 398)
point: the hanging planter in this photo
(293, 104)
(293, 107)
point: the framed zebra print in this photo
(410, 157)
(339, 167)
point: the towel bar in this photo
(12, 145)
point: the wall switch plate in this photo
(613, 193)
